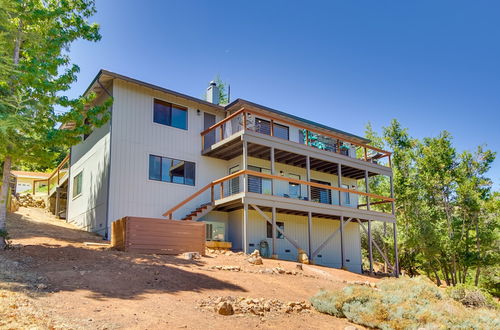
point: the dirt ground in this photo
(51, 279)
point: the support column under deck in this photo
(309, 235)
(370, 245)
(396, 258)
(342, 241)
(244, 233)
(274, 255)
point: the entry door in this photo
(208, 121)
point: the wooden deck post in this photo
(308, 176)
(367, 190)
(396, 258)
(245, 166)
(273, 171)
(342, 241)
(309, 235)
(274, 254)
(392, 194)
(370, 251)
(339, 180)
(58, 202)
(245, 227)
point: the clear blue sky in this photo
(433, 65)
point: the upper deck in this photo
(292, 141)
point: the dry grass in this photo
(403, 304)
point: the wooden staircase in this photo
(199, 212)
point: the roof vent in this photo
(212, 95)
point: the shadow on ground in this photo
(70, 266)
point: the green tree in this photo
(35, 71)
(223, 90)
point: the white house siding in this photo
(88, 210)
(135, 137)
(296, 228)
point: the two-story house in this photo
(243, 168)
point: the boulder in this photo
(225, 308)
(255, 260)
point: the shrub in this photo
(471, 296)
(402, 304)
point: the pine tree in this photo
(35, 71)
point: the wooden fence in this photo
(149, 235)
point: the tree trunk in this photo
(478, 246)
(4, 194)
(438, 281)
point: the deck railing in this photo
(56, 177)
(250, 120)
(232, 184)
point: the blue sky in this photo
(433, 65)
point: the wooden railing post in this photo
(244, 114)
(366, 155)
(212, 197)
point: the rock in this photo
(302, 257)
(255, 253)
(225, 308)
(299, 266)
(191, 255)
(350, 327)
(255, 260)
(42, 286)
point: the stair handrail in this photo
(211, 185)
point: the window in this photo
(77, 184)
(262, 126)
(169, 114)
(294, 188)
(280, 225)
(280, 131)
(257, 184)
(347, 196)
(171, 170)
(321, 195)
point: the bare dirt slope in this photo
(50, 279)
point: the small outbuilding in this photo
(25, 181)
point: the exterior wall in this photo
(135, 137)
(296, 228)
(91, 157)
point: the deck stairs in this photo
(201, 211)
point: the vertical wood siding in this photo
(135, 137)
